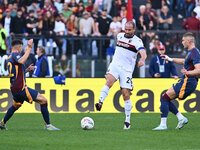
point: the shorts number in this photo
(129, 81)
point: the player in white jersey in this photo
(122, 67)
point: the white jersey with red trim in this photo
(126, 51)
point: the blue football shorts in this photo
(27, 94)
(185, 87)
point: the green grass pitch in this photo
(25, 132)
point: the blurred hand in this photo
(157, 75)
(140, 63)
(184, 71)
(175, 77)
(30, 42)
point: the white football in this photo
(87, 123)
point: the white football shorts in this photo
(125, 77)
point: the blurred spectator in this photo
(18, 25)
(189, 6)
(89, 7)
(58, 5)
(177, 5)
(141, 23)
(48, 7)
(86, 27)
(99, 4)
(156, 5)
(7, 21)
(73, 5)
(59, 29)
(40, 19)
(151, 13)
(166, 19)
(34, 6)
(142, 11)
(12, 13)
(123, 11)
(160, 68)
(154, 44)
(151, 26)
(3, 41)
(32, 27)
(72, 30)
(107, 4)
(41, 66)
(79, 9)
(63, 67)
(192, 23)
(102, 28)
(197, 10)
(48, 28)
(66, 12)
(115, 27)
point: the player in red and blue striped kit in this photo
(185, 86)
(19, 89)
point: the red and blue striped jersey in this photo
(16, 72)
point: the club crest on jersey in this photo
(129, 41)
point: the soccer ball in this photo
(87, 123)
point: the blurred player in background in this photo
(19, 89)
(122, 67)
(185, 86)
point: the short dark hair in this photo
(131, 22)
(16, 42)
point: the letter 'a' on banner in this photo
(129, 11)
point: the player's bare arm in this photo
(194, 72)
(28, 48)
(143, 58)
(175, 60)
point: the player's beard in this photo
(128, 35)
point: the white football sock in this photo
(163, 121)
(104, 93)
(128, 107)
(179, 116)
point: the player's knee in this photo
(44, 101)
(17, 106)
(126, 95)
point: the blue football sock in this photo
(173, 108)
(45, 113)
(9, 114)
(164, 108)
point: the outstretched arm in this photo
(175, 60)
(143, 58)
(23, 59)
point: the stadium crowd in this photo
(94, 18)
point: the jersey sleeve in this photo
(195, 56)
(16, 57)
(140, 45)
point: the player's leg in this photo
(44, 110)
(182, 120)
(9, 114)
(164, 108)
(110, 80)
(127, 107)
